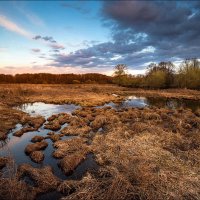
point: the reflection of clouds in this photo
(46, 110)
(133, 101)
(13, 141)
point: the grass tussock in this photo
(37, 156)
(43, 178)
(30, 124)
(69, 163)
(11, 187)
(35, 147)
(70, 146)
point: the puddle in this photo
(141, 102)
(14, 146)
(46, 110)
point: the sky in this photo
(94, 36)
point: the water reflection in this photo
(46, 110)
(14, 146)
(141, 102)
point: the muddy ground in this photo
(142, 153)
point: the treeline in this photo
(158, 76)
(162, 75)
(45, 78)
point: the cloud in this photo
(52, 43)
(50, 39)
(57, 46)
(11, 26)
(142, 32)
(45, 38)
(35, 50)
(171, 28)
(37, 37)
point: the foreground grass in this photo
(148, 153)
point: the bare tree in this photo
(120, 70)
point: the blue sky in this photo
(94, 36)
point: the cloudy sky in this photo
(94, 36)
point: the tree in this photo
(157, 79)
(164, 69)
(189, 74)
(120, 74)
(120, 70)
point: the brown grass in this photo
(69, 163)
(146, 153)
(44, 178)
(37, 156)
(35, 147)
(30, 124)
(70, 146)
(11, 187)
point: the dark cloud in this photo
(35, 50)
(37, 37)
(45, 38)
(52, 43)
(168, 26)
(50, 39)
(142, 32)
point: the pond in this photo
(141, 102)
(46, 110)
(14, 146)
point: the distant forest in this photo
(158, 76)
(45, 78)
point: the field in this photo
(141, 153)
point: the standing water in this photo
(14, 146)
(141, 102)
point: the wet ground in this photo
(14, 146)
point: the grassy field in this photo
(148, 153)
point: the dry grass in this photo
(73, 130)
(9, 118)
(37, 156)
(69, 163)
(11, 187)
(70, 146)
(55, 137)
(84, 95)
(44, 178)
(35, 147)
(30, 124)
(37, 138)
(156, 162)
(146, 153)
(110, 185)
